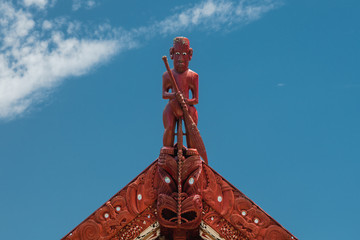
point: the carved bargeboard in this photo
(147, 207)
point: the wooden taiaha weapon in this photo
(192, 128)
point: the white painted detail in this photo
(207, 233)
(191, 181)
(139, 197)
(150, 233)
(219, 199)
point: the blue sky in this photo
(81, 106)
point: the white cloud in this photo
(36, 55)
(215, 15)
(87, 4)
(37, 3)
(14, 24)
(76, 5)
(31, 64)
(90, 3)
(210, 15)
(47, 25)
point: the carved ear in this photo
(171, 50)
(190, 53)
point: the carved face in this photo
(181, 53)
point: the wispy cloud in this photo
(216, 15)
(36, 54)
(37, 3)
(87, 4)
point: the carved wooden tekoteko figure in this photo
(181, 80)
(179, 196)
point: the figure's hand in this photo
(172, 95)
(180, 98)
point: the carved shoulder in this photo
(193, 79)
(194, 76)
(165, 75)
(192, 73)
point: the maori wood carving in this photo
(190, 197)
(179, 196)
(231, 214)
(125, 215)
(179, 104)
(151, 198)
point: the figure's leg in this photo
(169, 121)
(194, 116)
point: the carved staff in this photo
(192, 128)
(180, 162)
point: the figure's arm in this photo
(166, 87)
(194, 88)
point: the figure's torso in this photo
(185, 81)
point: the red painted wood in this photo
(179, 190)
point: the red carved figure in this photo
(180, 196)
(187, 80)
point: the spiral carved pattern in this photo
(275, 233)
(208, 197)
(89, 230)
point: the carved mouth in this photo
(171, 216)
(189, 216)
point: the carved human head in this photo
(181, 53)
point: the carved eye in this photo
(167, 179)
(184, 53)
(177, 53)
(191, 181)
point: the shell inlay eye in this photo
(191, 181)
